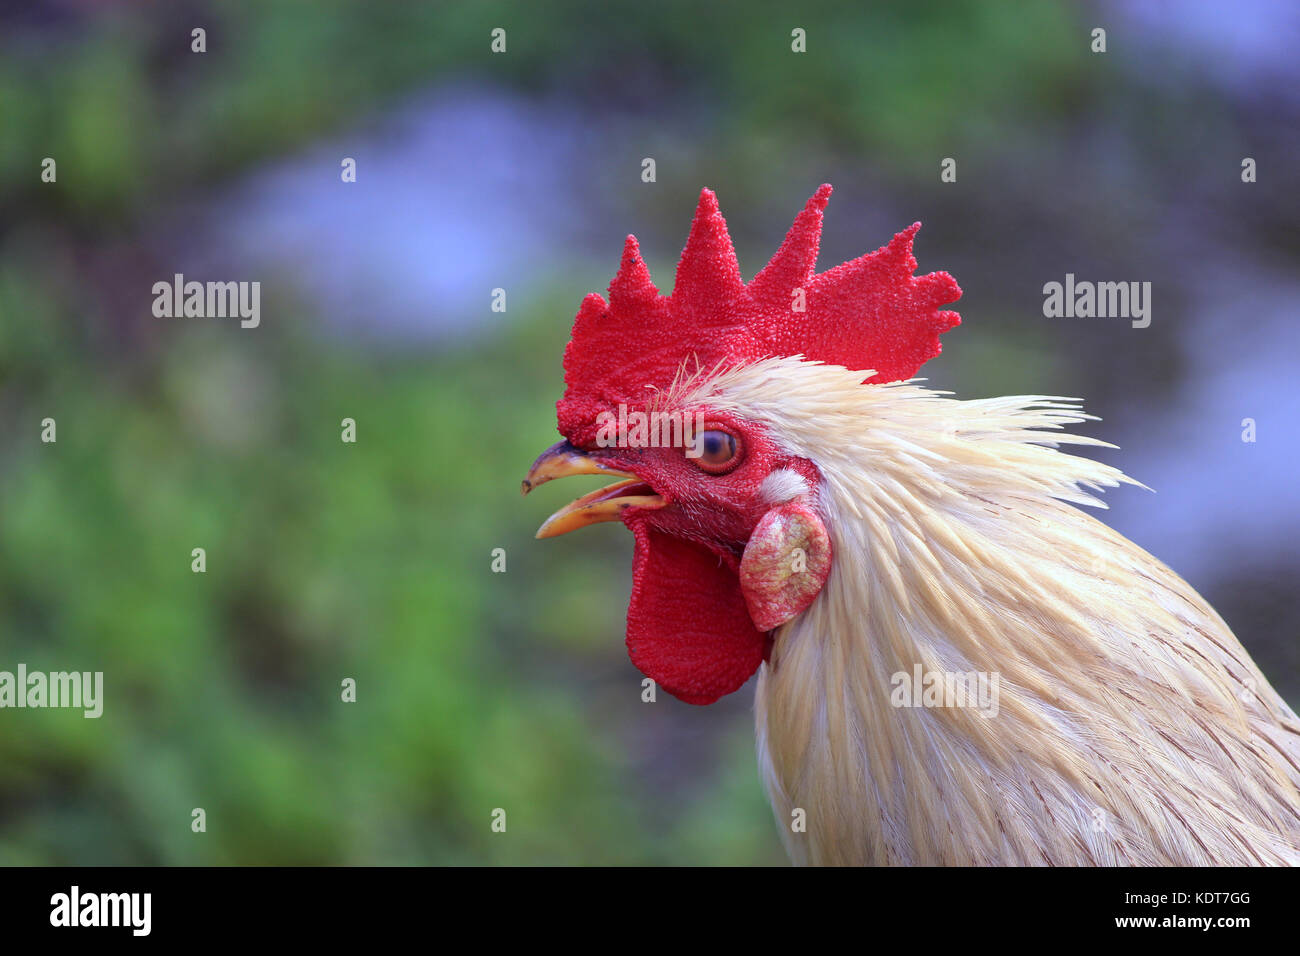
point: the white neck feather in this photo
(1126, 708)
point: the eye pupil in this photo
(718, 447)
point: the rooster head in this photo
(730, 541)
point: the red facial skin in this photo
(717, 510)
(688, 624)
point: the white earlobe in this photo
(785, 564)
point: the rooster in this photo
(865, 544)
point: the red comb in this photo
(870, 313)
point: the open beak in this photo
(603, 504)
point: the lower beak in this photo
(603, 504)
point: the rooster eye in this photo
(719, 451)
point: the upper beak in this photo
(603, 504)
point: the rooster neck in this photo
(1130, 727)
(1122, 731)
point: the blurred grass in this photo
(136, 117)
(325, 560)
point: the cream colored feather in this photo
(1132, 727)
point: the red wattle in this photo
(687, 625)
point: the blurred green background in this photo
(522, 171)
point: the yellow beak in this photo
(603, 504)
